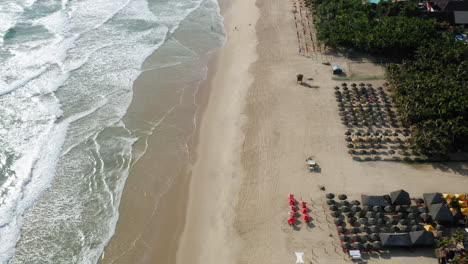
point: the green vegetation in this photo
(385, 28)
(430, 86)
(432, 94)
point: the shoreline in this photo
(145, 238)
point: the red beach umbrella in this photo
(292, 201)
(306, 217)
(304, 210)
(291, 220)
(292, 213)
(291, 196)
(303, 204)
(293, 208)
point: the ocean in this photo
(67, 69)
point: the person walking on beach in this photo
(299, 78)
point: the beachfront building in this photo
(454, 12)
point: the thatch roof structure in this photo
(433, 198)
(395, 239)
(400, 197)
(422, 238)
(374, 200)
(440, 212)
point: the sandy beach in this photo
(257, 127)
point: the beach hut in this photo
(440, 213)
(337, 69)
(395, 239)
(400, 197)
(429, 228)
(422, 238)
(374, 200)
(433, 198)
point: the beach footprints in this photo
(374, 127)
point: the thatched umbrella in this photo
(392, 222)
(374, 229)
(380, 221)
(353, 85)
(362, 221)
(377, 208)
(379, 215)
(402, 222)
(374, 237)
(360, 214)
(362, 84)
(364, 229)
(412, 215)
(333, 208)
(422, 209)
(367, 246)
(330, 202)
(330, 195)
(354, 230)
(366, 208)
(339, 222)
(344, 238)
(342, 197)
(411, 209)
(419, 201)
(345, 245)
(355, 208)
(356, 245)
(394, 228)
(345, 209)
(335, 214)
(364, 238)
(416, 228)
(341, 229)
(344, 84)
(349, 214)
(405, 228)
(372, 221)
(344, 203)
(370, 214)
(351, 220)
(388, 209)
(413, 222)
(355, 238)
(424, 216)
(377, 245)
(355, 202)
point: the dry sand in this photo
(260, 138)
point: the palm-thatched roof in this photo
(440, 212)
(395, 239)
(400, 197)
(422, 238)
(433, 198)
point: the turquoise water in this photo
(66, 75)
